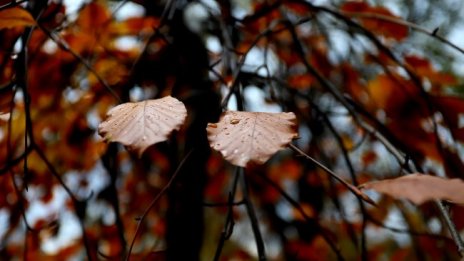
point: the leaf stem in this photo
(352, 188)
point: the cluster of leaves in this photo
(367, 111)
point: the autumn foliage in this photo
(226, 130)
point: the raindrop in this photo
(234, 121)
(235, 151)
(224, 153)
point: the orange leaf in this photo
(377, 19)
(391, 93)
(93, 16)
(139, 125)
(15, 16)
(368, 158)
(301, 81)
(424, 68)
(251, 137)
(420, 188)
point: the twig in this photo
(155, 200)
(240, 64)
(353, 178)
(110, 162)
(352, 188)
(303, 213)
(406, 231)
(414, 26)
(12, 4)
(229, 224)
(451, 227)
(63, 45)
(253, 219)
(223, 204)
(79, 205)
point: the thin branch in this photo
(155, 200)
(432, 33)
(63, 45)
(79, 205)
(12, 4)
(350, 187)
(229, 224)
(110, 162)
(223, 204)
(303, 213)
(240, 64)
(451, 227)
(253, 218)
(406, 231)
(353, 178)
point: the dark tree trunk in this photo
(192, 86)
(181, 69)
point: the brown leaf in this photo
(15, 16)
(141, 124)
(420, 188)
(251, 137)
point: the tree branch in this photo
(155, 200)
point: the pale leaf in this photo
(251, 137)
(139, 125)
(420, 188)
(15, 16)
(4, 116)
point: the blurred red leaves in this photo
(67, 101)
(15, 17)
(371, 19)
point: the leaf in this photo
(420, 188)
(4, 116)
(377, 19)
(139, 125)
(93, 17)
(392, 93)
(423, 68)
(15, 16)
(251, 137)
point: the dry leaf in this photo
(420, 188)
(4, 116)
(141, 124)
(15, 16)
(244, 137)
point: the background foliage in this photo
(375, 86)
